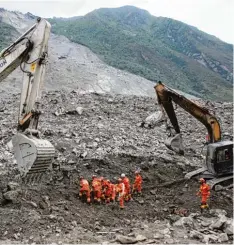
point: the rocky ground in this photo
(103, 134)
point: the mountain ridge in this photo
(71, 66)
(156, 48)
(19, 22)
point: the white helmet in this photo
(122, 175)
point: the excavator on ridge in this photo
(29, 52)
(219, 155)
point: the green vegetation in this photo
(7, 32)
(155, 48)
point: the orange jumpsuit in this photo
(121, 192)
(113, 192)
(204, 192)
(85, 189)
(127, 188)
(97, 189)
(137, 186)
(108, 191)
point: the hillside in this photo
(155, 48)
(71, 66)
(8, 32)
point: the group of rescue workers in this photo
(101, 190)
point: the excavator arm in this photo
(166, 96)
(29, 52)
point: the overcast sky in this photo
(215, 17)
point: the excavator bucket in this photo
(175, 144)
(33, 155)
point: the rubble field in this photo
(104, 134)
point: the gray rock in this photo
(173, 217)
(154, 119)
(166, 158)
(196, 234)
(11, 186)
(33, 204)
(74, 223)
(140, 238)
(218, 224)
(11, 195)
(218, 212)
(229, 227)
(79, 110)
(125, 239)
(223, 237)
(207, 238)
(53, 217)
(184, 222)
(165, 231)
(84, 154)
(153, 192)
(205, 223)
(158, 236)
(141, 201)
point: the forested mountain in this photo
(156, 48)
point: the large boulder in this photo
(11, 195)
(223, 237)
(219, 223)
(126, 240)
(185, 222)
(153, 120)
(229, 227)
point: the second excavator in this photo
(29, 52)
(219, 155)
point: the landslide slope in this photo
(71, 66)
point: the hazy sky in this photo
(215, 17)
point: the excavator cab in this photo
(219, 158)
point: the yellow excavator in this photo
(219, 155)
(33, 154)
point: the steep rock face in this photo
(156, 48)
(71, 66)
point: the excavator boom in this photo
(29, 52)
(166, 96)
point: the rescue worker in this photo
(105, 184)
(121, 192)
(204, 192)
(127, 187)
(84, 189)
(108, 191)
(137, 186)
(96, 188)
(113, 192)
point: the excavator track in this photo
(33, 155)
(219, 180)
